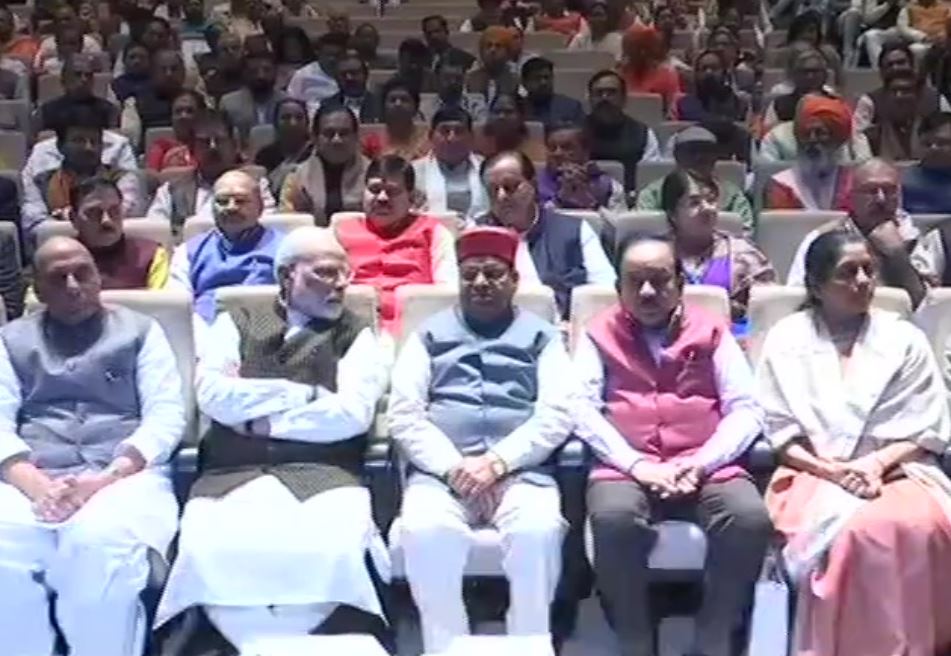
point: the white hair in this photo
(304, 242)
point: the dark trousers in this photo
(737, 528)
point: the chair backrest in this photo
(589, 60)
(587, 301)
(15, 115)
(731, 171)
(419, 302)
(158, 230)
(51, 86)
(859, 81)
(934, 317)
(780, 232)
(666, 129)
(13, 149)
(161, 132)
(613, 168)
(573, 82)
(655, 224)
(925, 222)
(286, 221)
(362, 300)
(259, 137)
(650, 170)
(770, 303)
(763, 170)
(648, 108)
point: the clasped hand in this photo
(473, 476)
(60, 498)
(668, 479)
(861, 477)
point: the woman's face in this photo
(695, 216)
(137, 61)
(848, 291)
(184, 110)
(896, 60)
(292, 123)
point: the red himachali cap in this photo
(497, 242)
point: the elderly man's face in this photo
(511, 195)
(494, 52)
(487, 286)
(650, 289)
(817, 143)
(237, 203)
(316, 285)
(876, 189)
(809, 73)
(98, 219)
(78, 80)
(68, 282)
(566, 147)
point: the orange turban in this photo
(835, 113)
(644, 38)
(505, 35)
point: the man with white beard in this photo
(275, 534)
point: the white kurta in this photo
(258, 546)
(97, 560)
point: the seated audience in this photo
(556, 17)
(899, 112)
(449, 177)
(352, 76)
(828, 120)
(152, 108)
(713, 96)
(615, 135)
(808, 74)
(393, 245)
(571, 180)
(300, 458)
(80, 140)
(77, 79)
(860, 426)
(603, 33)
(542, 104)
(85, 450)
(366, 41)
(466, 472)
(695, 153)
(493, 13)
(896, 59)
(123, 262)
(333, 177)
(922, 23)
(648, 469)
(293, 50)
(506, 129)
(316, 81)
(926, 187)
(137, 75)
(436, 34)
(227, 54)
(877, 216)
(291, 146)
(643, 68)
(238, 251)
(807, 29)
(338, 22)
(402, 134)
(254, 104)
(68, 41)
(554, 249)
(876, 22)
(493, 74)
(414, 64)
(176, 150)
(710, 256)
(450, 91)
(191, 194)
(23, 47)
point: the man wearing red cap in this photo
(819, 177)
(478, 403)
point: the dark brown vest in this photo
(228, 459)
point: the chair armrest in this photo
(761, 457)
(184, 472)
(574, 453)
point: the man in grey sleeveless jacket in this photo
(90, 407)
(478, 403)
(275, 534)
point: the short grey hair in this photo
(304, 242)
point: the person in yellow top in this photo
(124, 262)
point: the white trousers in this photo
(437, 536)
(243, 626)
(96, 563)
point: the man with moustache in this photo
(278, 525)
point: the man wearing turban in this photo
(820, 123)
(479, 401)
(494, 73)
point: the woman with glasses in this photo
(392, 244)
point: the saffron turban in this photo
(835, 113)
(480, 242)
(504, 35)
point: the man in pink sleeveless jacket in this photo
(668, 408)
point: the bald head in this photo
(313, 272)
(876, 190)
(650, 280)
(67, 280)
(237, 203)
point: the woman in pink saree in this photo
(857, 409)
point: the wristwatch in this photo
(498, 466)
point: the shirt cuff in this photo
(145, 445)
(11, 446)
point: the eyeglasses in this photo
(331, 275)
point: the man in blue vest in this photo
(90, 408)
(478, 403)
(238, 251)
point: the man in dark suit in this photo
(436, 33)
(77, 78)
(254, 103)
(352, 75)
(543, 104)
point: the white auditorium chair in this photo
(780, 232)
(650, 170)
(648, 108)
(573, 81)
(50, 86)
(285, 221)
(157, 230)
(613, 168)
(925, 222)
(934, 317)
(15, 115)
(681, 546)
(590, 60)
(770, 303)
(656, 224)
(500, 645)
(331, 645)
(667, 129)
(13, 149)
